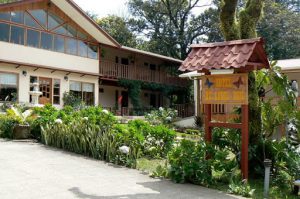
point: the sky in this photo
(104, 7)
(117, 7)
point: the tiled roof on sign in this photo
(225, 55)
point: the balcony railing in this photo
(112, 70)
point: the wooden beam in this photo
(36, 69)
(53, 71)
(245, 140)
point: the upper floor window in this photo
(43, 29)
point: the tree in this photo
(244, 27)
(117, 27)
(280, 28)
(169, 25)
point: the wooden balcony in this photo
(112, 70)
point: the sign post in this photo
(228, 89)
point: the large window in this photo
(40, 16)
(59, 44)
(83, 49)
(17, 35)
(71, 45)
(17, 17)
(47, 41)
(8, 87)
(47, 30)
(33, 38)
(84, 91)
(92, 51)
(4, 32)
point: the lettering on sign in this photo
(225, 89)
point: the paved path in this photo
(32, 171)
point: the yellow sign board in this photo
(225, 89)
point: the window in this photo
(152, 67)
(83, 48)
(46, 41)
(30, 22)
(59, 44)
(93, 51)
(71, 46)
(40, 16)
(8, 87)
(82, 35)
(17, 35)
(33, 38)
(71, 31)
(63, 35)
(17, 17)
(5, 16)
(75, 89)
(56, 91)
(124, 61)
(85, 91)
(4, 32)
(53, 21)
(61, 30)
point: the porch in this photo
(111, 70)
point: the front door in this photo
(46, 89)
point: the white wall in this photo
(35, 56)
(24, 81)
(108, 97)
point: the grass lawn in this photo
(149, 165)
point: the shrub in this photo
(188, 163)
(158, 140)
(70, 99)
(161, 116)
(7, 124)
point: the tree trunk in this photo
(245, 28)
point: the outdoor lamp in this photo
(66, 78)
(295, 88)
(24, 72)
(267, 164)
(261, 92)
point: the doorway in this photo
(45, 85)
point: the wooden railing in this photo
(112, 70)
(185, 110)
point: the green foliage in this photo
(188, 163)
(169, 25)
(115, 25)
(157, 140)
(279, 21)
(70, 99)
(241, 188)
(161, 116)
(135, 86)
(7, 124)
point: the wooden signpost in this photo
(227, 89)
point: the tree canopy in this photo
(117, 27)
(170, 26)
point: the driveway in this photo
(31, 170)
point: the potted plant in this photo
(22, 128)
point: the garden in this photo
(157, 146)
